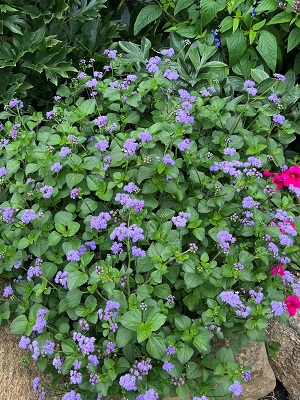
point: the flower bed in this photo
(139, 222)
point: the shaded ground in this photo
(279, 393)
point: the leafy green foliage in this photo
(138, 227)
(41, 40)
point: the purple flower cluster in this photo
(249, 87)
(61, 278)
(184, 145)
(72, 395)
(225, 240)
(171, 75)
(40, 322)
(278, 307)
(256, 296)
(130, 188)
(168, 52)
(75, 377)
(125, 200)
(85, 343)
(128, 382)
(3, 171)
(102, 145)
(101, 121)
(278, 119)
(249, 203)
(234, 301)
(46, 191)
(7, 214)
(273, 97)
(138, 252)
(28, 216)
(35, 270)
(167, 366)
(236, 388)
(110, 311)
(74, 193)
(167, 159)
(151, 65)
(121, 232)
(8, 291)
(100, 221)
(145, 137)
(48, 347)
(130, 146)
(56, 167)
(64, 151)
(170, 350)
(110, 53)
(285, 240)
(75, 255)
(181, 220)
(149, 395)
(16, 103)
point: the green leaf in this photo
(156, 347)
(147, 15)
(182, 4)
(87, 107)
(182, 322)
(208, 11)
(23, 243)
(76, 279)
(202, 340)
(281, 18)
(267, 48)
(162, 291)
(155, 321)
(237, 45)
(184, 354)
(225, 354)
(259, 75)
(131, 319)
(73, 179)
(31, 168)
(143, 332)
(19, 324)
(293, 39)
(53, 238)
(124, 336)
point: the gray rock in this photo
(286, 366)
(263, 379)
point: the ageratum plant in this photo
(141, 222)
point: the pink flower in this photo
(291, 176)
(277, 178)
(277, 269)
(292, 304)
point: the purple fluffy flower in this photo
(136, 251)
(167, 159)
(100, 221)
(8, 291)
(229, 151)
(278, 118)
(249, 84)
(46, 191)
(102, 145)
(130, 147)
(273, 97)
(168, 52)
(56, 167)
(40, 322)
(181, 220)
(74, 193)
(100, 121)
(29, 215)
(72, 395)
(73, 255)
(236, 388)
(167, 366)
(145, 137)
(171, 75)
(128, 382)
(48, 347)
(184, 145)
(278, 307)
(64, 151)
(110, 53)
(3, 171)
